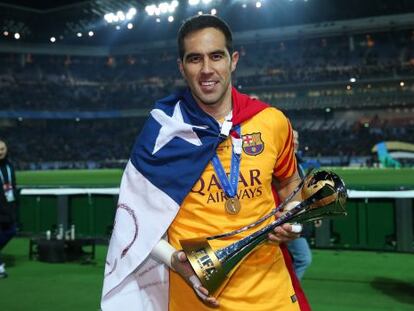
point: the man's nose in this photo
(207, 66)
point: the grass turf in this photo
(363, 179)
(70, 178)
(340, 281)
(360, 281)
(377, 179)
(34, 285)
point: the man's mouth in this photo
(208, 86)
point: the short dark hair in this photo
(200, 22)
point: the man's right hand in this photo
(181, 265)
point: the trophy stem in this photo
(239, 249)
(257, 237)
(259, 221)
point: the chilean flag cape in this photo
(173, 149)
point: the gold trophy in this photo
(324, 195)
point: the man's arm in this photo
(177, 260)
(286, 186)
(287, 232)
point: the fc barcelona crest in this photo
(253, 144)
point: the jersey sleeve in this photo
(286, 161)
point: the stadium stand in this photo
(357, 87)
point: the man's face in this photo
(3, 150)
(207, 66)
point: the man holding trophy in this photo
(201, 178)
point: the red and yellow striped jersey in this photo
(262, 281)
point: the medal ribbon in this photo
(7, 187)
(229, 185)
(8, 175)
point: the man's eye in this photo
(217, 56)
(194, 59)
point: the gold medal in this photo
(232, 206)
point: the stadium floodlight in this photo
(164, 7)
(132, 11)
(213, 11)
(200, 12)
(158, 20)
(193, 2)
(150, 9)
(52, 39)
(117, 27)
(91, 33)
(79, 34)
(17, 36)
(129, 16)
(402, 84)
(206, 1)
(120, 15)
(170, 18)
(109, 17)
(130, 25)
(258, 4)
(171, 8)
(352, 80)
(6, 33)
(244, 5)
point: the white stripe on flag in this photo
(143, 216)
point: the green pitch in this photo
(70, 178)
(361, 179)
(377, 179)
(336, 281)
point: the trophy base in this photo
(205, 264)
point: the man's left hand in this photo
(283, 234)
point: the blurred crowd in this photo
(44, 82)
(343, 93)
(96, 143)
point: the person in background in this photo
(8, 203)
(176, 186)
(299, 248)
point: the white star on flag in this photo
(174, 126)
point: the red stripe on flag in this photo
(245, 107)
(300, 294)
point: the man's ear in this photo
(181, 67)
(234, 60)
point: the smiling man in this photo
(176, 187)
(206, 64)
